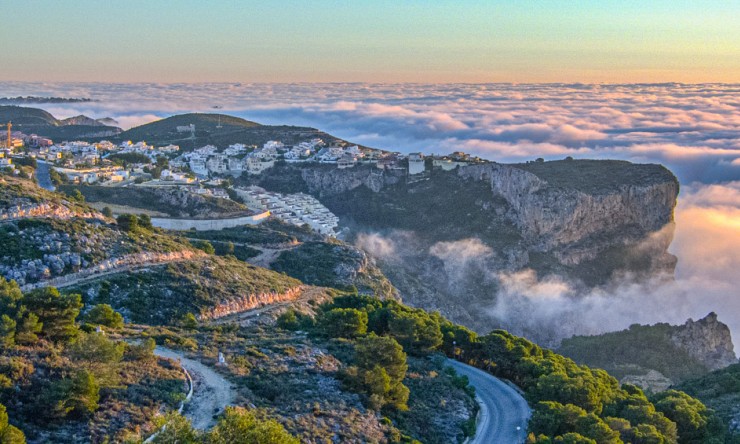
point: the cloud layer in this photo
(707, 244)
(694, 129)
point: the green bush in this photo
(8, 433)
(140, 352)
(380, 367)
(240, 426)
(96, 348)
(128, 222)
(103, 314)
(205, 246)
(343, 323)
(56, 313)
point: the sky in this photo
(371, 41)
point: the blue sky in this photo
(375, 41)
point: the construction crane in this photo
(10, 140)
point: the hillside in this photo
(40, 122)
(719, 390)
(677, 352)
(84, 120)
(303, 255)
(318, 364)
(63, 382)
(173, 202)
(209, 287)
(220, 130)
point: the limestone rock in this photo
(707, 340)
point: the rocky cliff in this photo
(707, 340)
(551, 215)
(445, 238)
(657, 356)
(331, 181)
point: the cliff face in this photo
(558, 218)
(707, 340)
(330, 181)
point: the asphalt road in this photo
(42, 175)
(504, 413)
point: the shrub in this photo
(103, 314)
(380, 369)
(145, 221)
(140, 352)
(204, 245)
(96, 348)
(8, 433)
(343, 323)
(57, 313)
(240, 426)
(127, 222)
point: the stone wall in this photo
(208, 224)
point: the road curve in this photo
(211, 392)
(502, 409)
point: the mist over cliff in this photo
(553, 307)
(527, 247)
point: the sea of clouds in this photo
(692, 129)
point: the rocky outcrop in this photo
(250, 302)
(551, 216)
(44, 210)
(707, 340)
(329, 181)
(653, 380)
(116, 265)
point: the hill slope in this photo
(719, 390)
(40, 122)
(216, 129)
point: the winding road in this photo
(504, 413)
(211, 391)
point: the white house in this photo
(347, 161)
(255, 165)
(169, 148)
(416, 163)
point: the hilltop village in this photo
(210, 170)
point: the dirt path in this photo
(85, 275)
(265, 258)
(211, 391)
